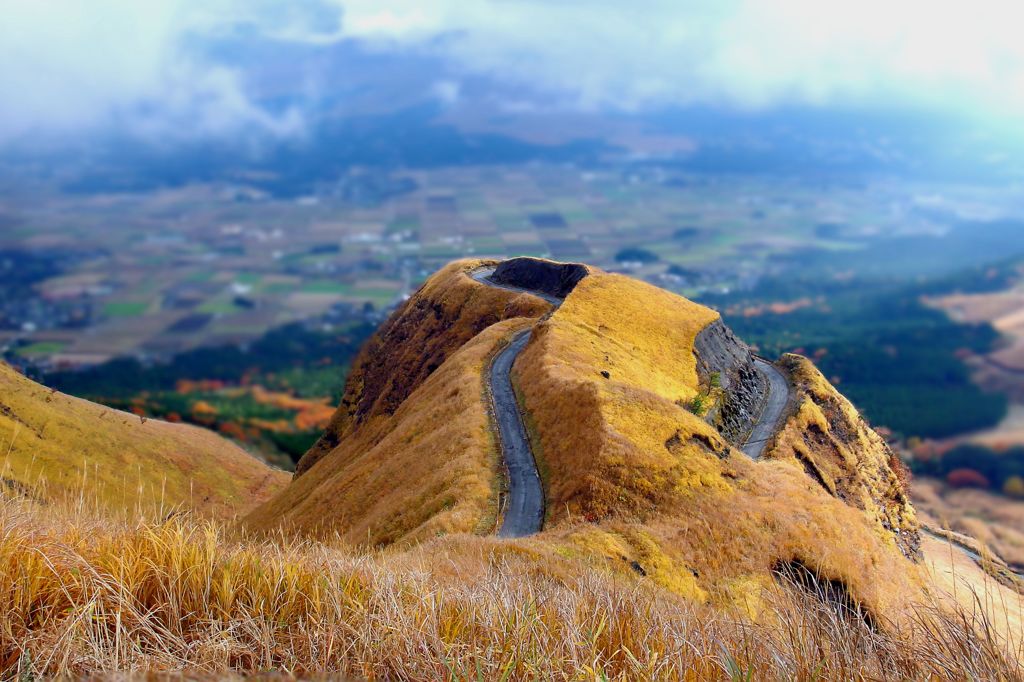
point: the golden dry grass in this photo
(625, 454)
(54, 445)
(430, 468)
(827, 437)
(83, 595)
(660, 558)
(447, 311)
(603, 439)
(632, 478)
(410, 453)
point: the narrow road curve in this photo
(771, 415)
(524, 512)
(483, 275)
(970, 553)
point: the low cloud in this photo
(68, 66)
(741, 53)
(154, 66)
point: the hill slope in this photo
(635, 402)
(55, 445)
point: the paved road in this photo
(483, 275)
(524, 513)
(966, 550)
(771, 415)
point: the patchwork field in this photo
(169, 270)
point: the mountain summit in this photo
(640, 433)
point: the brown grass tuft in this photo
(84, 595)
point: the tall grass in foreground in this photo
(80, 594)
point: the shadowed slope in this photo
(447, 311)
(413, 454)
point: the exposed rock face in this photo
(744, 388)
(449, 310)
(555, 279)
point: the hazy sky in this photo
(71, 65)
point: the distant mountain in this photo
(394, 110)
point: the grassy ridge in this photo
(54, 445)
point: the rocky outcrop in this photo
(744, 389)
(554, 279)
(837, 449)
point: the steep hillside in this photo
(669, 549)
(608, 384)
(635, 402)
(430, 468)
(838, 450)
(409, 452)
(447, 311)
(55, 445)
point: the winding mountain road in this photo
(771, 415)
(524, 514)
(483, 275)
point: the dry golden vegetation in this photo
(81, 594)
(603, 440)
(430, 468)
(623, 452)
(54, 445)
(667, 554)
(837, 449)
(413, 456)
(446, 312)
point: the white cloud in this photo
(447, 91)
(68, 65)
(750, 53)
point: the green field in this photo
(326, 287)
(218, 306)
(125, 308)
(41, 348)
(380, 298)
